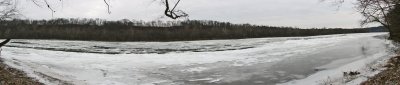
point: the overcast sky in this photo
(297, 13)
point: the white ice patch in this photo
(196, 69)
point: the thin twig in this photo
(108, 7)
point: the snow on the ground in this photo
(166, 68)
(368, 66)
(336, 76)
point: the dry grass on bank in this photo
(12, 76)
(390, 76)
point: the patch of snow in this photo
(196, 69)
(335, 76)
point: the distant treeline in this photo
(132, 30)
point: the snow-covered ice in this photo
(237, 61)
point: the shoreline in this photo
(390, 76)
(12, 76)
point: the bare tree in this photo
(379, 11)
(376, 10)
(8, 10)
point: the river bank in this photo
(12, 76)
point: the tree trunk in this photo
(394, 23)
(4, 42)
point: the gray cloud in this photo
(298, 13)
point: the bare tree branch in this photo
(8, 9)
(36, 3)
(171, 13)
(4, 42)
(108, 7)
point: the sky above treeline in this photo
(296, 13)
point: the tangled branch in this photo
(172, 13)
(8, 9)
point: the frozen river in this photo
(256, 61)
